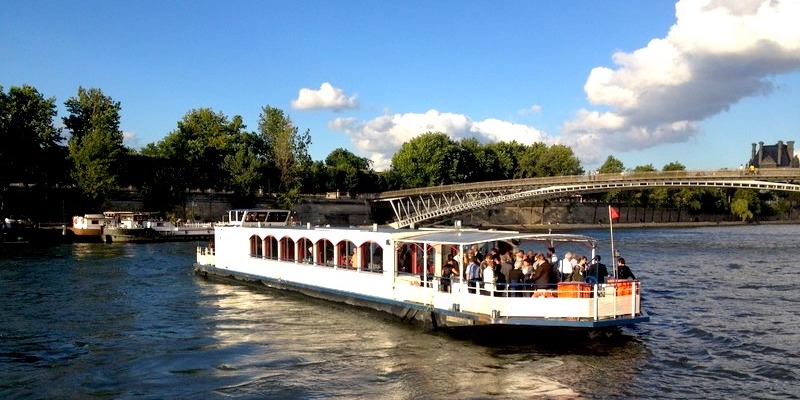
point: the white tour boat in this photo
(385, 269)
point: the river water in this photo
(132, 321)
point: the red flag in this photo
(614, 213)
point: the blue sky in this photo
(649, 82)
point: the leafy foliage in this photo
(286, 152)
(32, 150)
(745, 204)
(95, 146)
(611, 166)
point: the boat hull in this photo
(90, 235)
(147, 235)
(412, 312)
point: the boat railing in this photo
(194, 224)
(562, 289)
(205, 250)
(205, 255)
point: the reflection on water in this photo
(360, 353)
(98, 251)
(125, 320)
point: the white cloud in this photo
(534, 109)
(717, 53)
(327, 97)
(131, 139)
(382, 136)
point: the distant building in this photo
(774, 156)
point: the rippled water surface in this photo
(132, 321)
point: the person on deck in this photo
(578, 274)
(489, 276)
(518, 257)
(477, 252)
(473, 274)
(516, 280)
(447, 275)
(597, 272)
(565, 267)
(623, 271)
(541, 273)
(506, 265)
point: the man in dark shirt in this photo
(541, 275)
(597, 272)
(623, 272)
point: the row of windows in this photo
(345, 254)
(411, 257)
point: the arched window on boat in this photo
(347, 256)
(325, 253)
(305, 251)
(287, 249)
(270, 247)
(369, 257)
(256, 246)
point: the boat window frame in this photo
(326, 254)
(271, 249)
(286, 249)
(256, 246)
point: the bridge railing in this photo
(510, 184)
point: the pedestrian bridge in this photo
(414, 206)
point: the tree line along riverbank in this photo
(59, 207)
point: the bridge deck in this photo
(412, 206)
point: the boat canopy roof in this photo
(466, 237)
(255, 215)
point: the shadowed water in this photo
(132, 321)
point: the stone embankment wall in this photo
(345, 212)
(208, 206)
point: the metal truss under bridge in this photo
(413, 206)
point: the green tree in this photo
(317, 179)
(611, 166)
(286, 152)
(558, 160)
(641, 198)
(528, 161)
(674, 166)
(32, 149)
(430, 159)
(745, 204)
(202, 153)
(509, 156)
(244, 166)
(95, 144)
(202, 141)
(475, 162)
(349, 172)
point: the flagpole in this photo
(611, 229)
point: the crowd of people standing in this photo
(520, 272)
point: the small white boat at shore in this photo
(89, 227)
(399, 271)
(142, 227)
